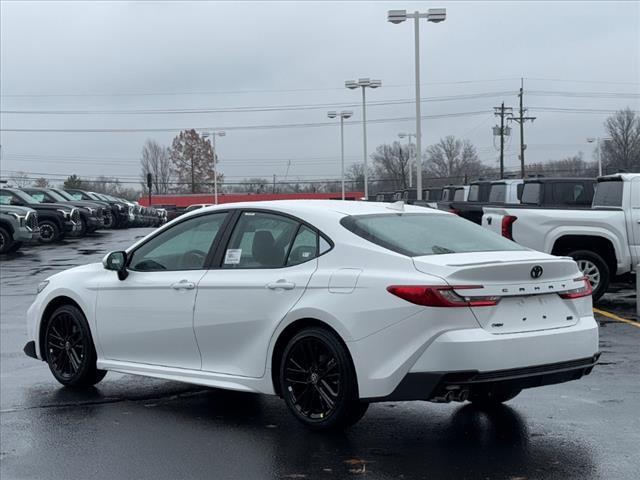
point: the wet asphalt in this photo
(134, 427)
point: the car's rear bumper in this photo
(473, 353)
(446, 386)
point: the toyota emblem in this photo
(536, 272)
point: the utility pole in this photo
(521, 119)
(503, 131)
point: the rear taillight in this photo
(507, 226)
(584, 291)
(441, 296)
(454, 211)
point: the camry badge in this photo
(536, 272)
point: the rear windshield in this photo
(417, 234)
(498, 192)
(459, 195)
(608, 194)
(433, 194)
(531, 193)
(474, 193)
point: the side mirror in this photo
(116, 261)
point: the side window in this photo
(519, 190)
(183, 247)
(260, 240)
(5, 198)
(305, 246)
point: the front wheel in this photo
(49, 231)
(318, 381)
(6, 241)
(69, 349)
(595, 269)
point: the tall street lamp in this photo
(343, 116)
(598, 142)
(364, 83)
(212, 136)
(433, 15)
(409, 135)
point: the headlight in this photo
(119, 207)
(42, 285)
(66, 214)
(91, 210)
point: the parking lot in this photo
(133, 427)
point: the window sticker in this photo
(232, 256)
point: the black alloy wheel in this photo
(108, 220)
(69, 349)
(49, 231)
(318, 381)
(5, 241)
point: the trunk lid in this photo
(528, 283)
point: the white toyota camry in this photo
(329, 304)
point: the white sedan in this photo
(328, 304)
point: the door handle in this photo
(281, 284)
(183, 285)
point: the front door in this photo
(263, 272)
(148, 317)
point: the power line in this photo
(253, 109)
(240, 92)
(521, 119)
(247, 127)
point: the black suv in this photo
(91, 214)
(54, 219)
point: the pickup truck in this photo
(558, 192)
(17, 225)
(604, 240)
(453, 193)
(55, 220)
(482, 194)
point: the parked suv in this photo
(107, 215)
(55, 220)
(17, 225)
(91, 214)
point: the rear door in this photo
(633, 219)
(261, 273)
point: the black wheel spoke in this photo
(312, 378)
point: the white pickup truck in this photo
(603, 240)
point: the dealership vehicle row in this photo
(48, 215)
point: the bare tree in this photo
(155, 160)
(41, 182)
(573, 166)
(391, 164)
(623, 150)
(20, 179)
(354, 177)
(454, 159)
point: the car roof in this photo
(322, 208)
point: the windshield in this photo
(25, 197)
(64, 195)
(417, 234)
(608, 194)
(56, 196)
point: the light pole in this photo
(364, 83)
(212, 136)
(599, 141)
(433, 15)
(409, 135)
(343, 116)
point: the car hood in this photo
(15, 209)
(51, 206)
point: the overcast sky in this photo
(129, 57)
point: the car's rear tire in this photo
(49, 231)
(82, 231)
(6, 241)
(595, 269)
(69, 348)
(318, 381)
(491, 397)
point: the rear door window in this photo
(458, 196)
